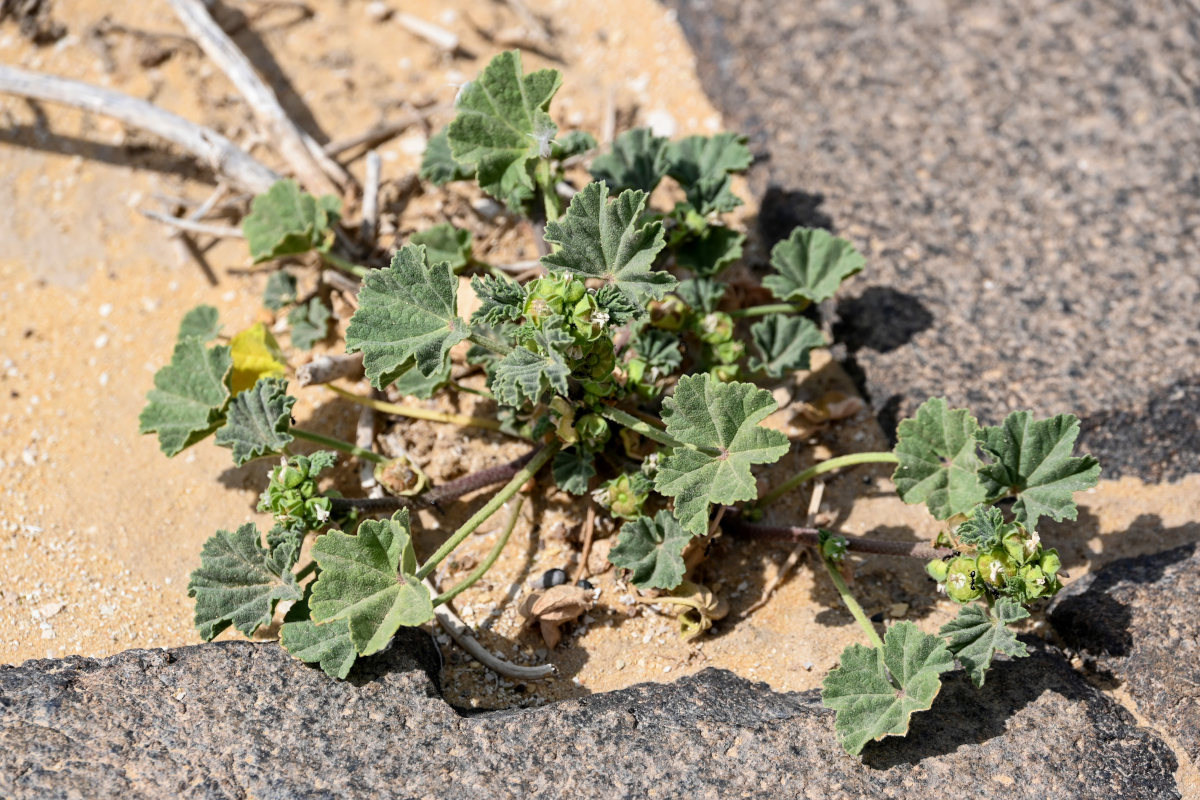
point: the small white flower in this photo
(994, 571)
(543, 134)
(599, 318)
(1032, 544)
(322, 514)
(710, 322)
(959, 580)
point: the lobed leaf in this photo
(810, 265)
(702, 164)
(258, 422)
(525, 376)
(239, 581)
(256, 355)
(721, 421)
(500, 300)
(201, 322)
(975, 636)
(189, 396)
(652, 550)
(407, 311)
(444, 242)
(620, 309)
(983, 529)
(659, 349)
(701, 294)
(412, 383)
(502, 125)
(604, 240)
(310, 323)
(938, 462)
(369, 580)
(710, 252)
(572, 469)
(286, 220)
(875, 692)
(280, 291)
(1034, 462)
(328, 645)
(638, 160)
(573, 143)
(438, 165)
(784, 343)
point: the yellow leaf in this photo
(256, 355)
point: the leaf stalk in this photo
(338, 444)
(856, 610)
(462, 420)
(486, 564)
(849, 460)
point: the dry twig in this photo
(370, 203)
(328, 368)
(191, 226)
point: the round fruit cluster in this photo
(1011, 563)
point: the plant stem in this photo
(821, 468)
(489, 344)
(498, 499)
(652, 433)
(773, 308)
(458, 387)
(855, 609)
(478, 572)
(855, 544)
(338, 444)
(461, 420)
(343, 264)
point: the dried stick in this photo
(216, 152)
(378, 134)
(364, 437)
(464, 637)
(436, 35)
(325, 369)
(589, 532)
(811, 537)
(814, 505)
(319, 173)
(191, 226)
(343, 283)
(370, 203)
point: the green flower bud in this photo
(1050, 563)
(592, 430)
(290, 477)
(715, 328)
(725, 372)
(996, 566)
(588, 319)
(621, 498)
(937, 569)
(729, 352)
(962, 580)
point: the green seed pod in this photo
(589, 321)
(937, 569)
(290, 477)
(621, 498)
(962, 580)
(592, 430)
(1050, 563)
(996, 566)
(729, 352)
(668, 314)
(715, 328)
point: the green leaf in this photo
(659, 349)
(638, 161)
(407, 311)
(573, 143)
(572, 470)
(280, 291)
(711, 252)
(288, 221)
(328, 645)
(525, 376)
(259, 421)
(500, 300)
(438, 165)
(444, 242)
(721, 421)
(310, 323)
(603, 240)
(1034, 462)
(502, 125)
(984, 528)
(370, 581)
(974, 636)
(189, 396)
(239, 581)
(938, 462)
(702, 165)
(201, 322)
(701, 294)
(652, 549)
(811, 265)
(872, 704)
(620, 309)
(411, 383)
(784, 343)
(256, 355)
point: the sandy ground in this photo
(99, 531)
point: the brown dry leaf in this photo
(554, 606)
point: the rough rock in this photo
(1135, 620)
(1023, 177)
(234, 720)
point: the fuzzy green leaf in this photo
(407, 311)
(810, 265)
(525, 376)
(259, 421)
(707, 254)
(189, 396)
(288, 221)
(702, 165)
(659, 349)
(974, 636)
(721, 421)
(784, 343)
(201, 322)
(370, 581)
(572, 469)
(573, 143)
(438, 165)
(871, 705)
(701, 294)
(652, 549)
(604, 240)
(239, 581)
(1034, 462)
(328, 645)
(620, 309)
(500, 300)
(638, 161)
(411, 383)
(310, 323)
(938, 462)
(280, 291)
(984, 528)
(502, 125)
(444, 242)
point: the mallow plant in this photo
(633, 371)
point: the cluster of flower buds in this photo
(715, 331)
(292, 495)
(1008, 561)
(624, 496)
(572, 306)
